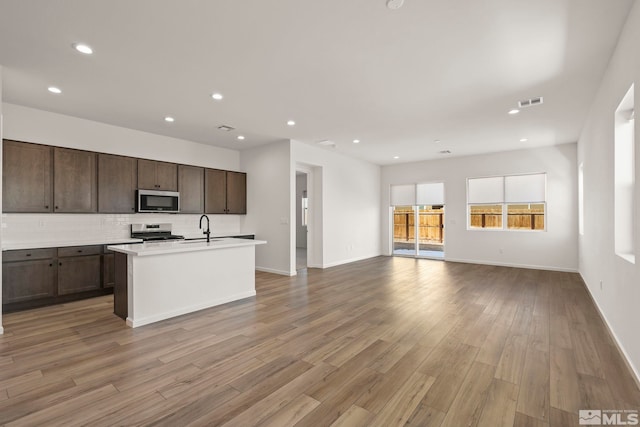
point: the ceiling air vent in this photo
(530, 102)
(445, 152)
(225, 128)
(327, 143)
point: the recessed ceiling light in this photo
(169, 119)
(356, 141)
(523, 139)
(396, 157)
(83, 48)
(437, 141)
(54, 89)
(514, 111)
(217, 96)
(241, 137)
(291, 123)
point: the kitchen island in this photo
(157, 281)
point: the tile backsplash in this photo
(27, 228)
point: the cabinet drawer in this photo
(80, 250)
(28, 254)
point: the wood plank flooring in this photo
(381, 342)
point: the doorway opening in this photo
(302, 220)
(418, 231)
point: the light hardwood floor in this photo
(381, 342)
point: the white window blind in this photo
(486, 190)
(525, 188)
(430, 194)
(403, 195)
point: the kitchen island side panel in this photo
(168, 285)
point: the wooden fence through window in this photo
(430, 227)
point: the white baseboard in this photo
(348, 261)
(275, 271)
(625, 355)
(185, 310)
(506, 264)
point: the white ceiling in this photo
(445, 70)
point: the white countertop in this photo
(10, 246)
(170, 247)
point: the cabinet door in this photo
(191, 187)
(108, 270)
(78, 274)
(147, 174)
(154, 175)
(236, 193)
(167, 176)
(26, 177)
(28, 280)
(117, 183)
(215, 187)
(74, 181)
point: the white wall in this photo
(554, 249)
(270, 188)
(619, 295)
(1, 133)
(350, 200)
(43, 127)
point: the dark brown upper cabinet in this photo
(215, 191)
(42, 178)
(236, 193)
(225, 192)
(26, 177)
(117, 183)
(75, 181)
(153, 175)
(191, 187)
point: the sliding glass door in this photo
(404, 233)
(431, 231)
(418, 220)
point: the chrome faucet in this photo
(208, 230)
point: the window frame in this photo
(505, 205)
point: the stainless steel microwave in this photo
(157, 201)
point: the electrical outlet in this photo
(600, 284)
(500, 250)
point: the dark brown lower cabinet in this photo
(108, 270)
(38, 277)
(28, 280)
(78, 274)
(120, 294)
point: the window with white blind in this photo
(513, 202)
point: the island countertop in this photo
(177, 246)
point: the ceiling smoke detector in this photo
(225, 128)
(530, 102)
(394, 4)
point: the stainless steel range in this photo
(153, 232)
